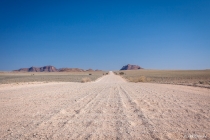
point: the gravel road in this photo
(109, 108)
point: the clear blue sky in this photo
(155, 34)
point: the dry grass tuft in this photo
(85, 79)
(138, 79)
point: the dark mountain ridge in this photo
(131, 67)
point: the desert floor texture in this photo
(108, 108)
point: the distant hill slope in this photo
(70, 70)
(76, 70)
(52, 69)
(131, 67)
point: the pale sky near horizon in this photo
(105, 35)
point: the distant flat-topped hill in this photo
(131, 67)
(52, 69)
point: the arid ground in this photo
(196, 78)
(28, 77)
(108, 108)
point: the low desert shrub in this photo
(121, 73)
(139, 79)
(90, 74)
(85, 79)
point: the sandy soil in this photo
(109, 108)
(195, 78)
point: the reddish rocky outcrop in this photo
(48, 69)
(131, 67)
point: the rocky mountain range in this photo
(131, 67)
(38, 69)
(52, 69)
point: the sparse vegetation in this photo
(139, 79)
(199, 78)
(85, 79)
(10, 77)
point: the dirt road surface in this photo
(109, 108)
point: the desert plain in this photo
(109, 107)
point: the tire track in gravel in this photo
(59, 119)
(95, 112)
(163, 99)
(133, 105)
(82, 115)
(152, 104)
(46, 119)
(171, 101)
(72, 119)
